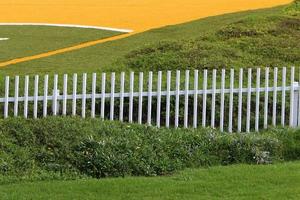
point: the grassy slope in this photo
(111, 55)
(31, 40)
(280, 181)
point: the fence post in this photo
(57, 102)
(295, 104)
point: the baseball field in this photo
(33, 29)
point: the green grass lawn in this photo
(279, 181)
(32, 40)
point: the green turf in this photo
(113, 56)
(31, 40)
(279, 181)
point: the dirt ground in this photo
(139, 15)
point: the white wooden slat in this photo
(248, 118)
(168, 99)
(177, 99)
(74, 96)
(283, 96)
(240, 101)
(83, 108)
(140, 106)
(94, 87)
(186, 98)
(298, 110)
(16, 103)
(112, 96)
(204, 98)
(122, 86)
(213, 99)
(36, 94)
(275, 97)
(292, 93)
(54, 98)
(6, 96)
(26, 87)
(222, 100)
(131, 97)
(231, 101)
(257, 99)
(45, 97)
(103, 85)
(266, 102)
(158, 110)
(195, 112)
(65, 94)
(149, 107)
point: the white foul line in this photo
(68, 25)
(1, 39)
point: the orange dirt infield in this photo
(138, 15)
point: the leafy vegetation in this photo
(66, 148)
(252, 41)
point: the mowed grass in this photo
(261, 37)
(279, 181)
(31, 40)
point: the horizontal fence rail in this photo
(241, 100)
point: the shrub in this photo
(73, 147)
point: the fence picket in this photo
(131, 96)
(231, 100)
(204, 98)
(195, 113)
(213, 99)
(65, 93)
(16, 103)
(36, 94)
(74, 96)
(266, 102)
(283, 96)
(168, 99)
(248, 118)
(292, 96)
(103, 95)
(158, 110)
(6, 96)
(45, 98)
(140, 105)
(122, 85)
(149, 107)
(177, 99)
(112, 96)
(222, 100)
(54, 97)
(275, 97)
(257, 99)
(186, 98)
(26, 87)
(94, 87)
(240, 101)
(83, 111)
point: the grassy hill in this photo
(267, 37)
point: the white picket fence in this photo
(213, 94)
